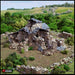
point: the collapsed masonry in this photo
(35, 34)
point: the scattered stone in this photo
(65, 35)
(32, 69)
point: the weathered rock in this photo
(65, 35)
(32, 69)
(72, 56)
(56, 64)
(61, 62)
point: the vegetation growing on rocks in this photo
(64, 52)
(70, 41)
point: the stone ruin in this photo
(66, 12)
(65, 35)
(31, 69)
(37, 35)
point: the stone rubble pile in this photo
(69, 11)
(65, 35)
(62, 61)
(37, 35)
(31, 70)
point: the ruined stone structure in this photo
(31, 70)
(65, 35)
(35, 34)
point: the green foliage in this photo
(3, 63)
(53, 26)
(27, 17)
(65, 24)
(58, 70)
(10, 68)
(67, 29)
(45, 11)
(30, 48)
(31, 58)
(5, 28)
(24, 61)
(14, 59)
(7, 14)
(18, 20)
(66, 67)
(70, 41)
(6, 45)
(22, 50)
(19, 23)
(64, 52)
(9, 64)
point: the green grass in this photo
(64, 9)
(25, 12)
(71, 65)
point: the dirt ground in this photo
(40, 60)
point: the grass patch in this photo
(22, 50)
(71, 71)
(64, 52)
(31, 58)
(30, 48)
(70, 41)
(6, 45)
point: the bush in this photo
(9, 64)
(6, 45)
(5, 28)
(31, 58)
(10, 68)
(66, 67)
(22, 50)
(58, 70)
(3, 64)
(45, 11)
(64, 52)
(13, 59)
(24, 61)
(70, 41)
(7, 14)
(30, 48)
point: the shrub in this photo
(6, 45)
(64, 52)
(3, 63)
(7, 14)
(24, 61)
(45, 11)
(9, 64)
(4, 28)
(30, 48)
(58, 70)
(70, 41)
(66, 67)
(31, 58)
(22, 50)
(9, 68)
